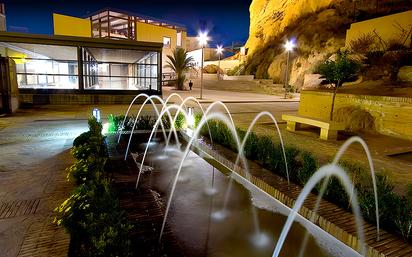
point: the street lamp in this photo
(219, 51)
(202, 38)
(289, 46)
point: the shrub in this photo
(212, 69)
(82, 139)
(198, 118)
(395, 211)
(266, 149)
(403, 217)
(308, 168)
(251, 146)
(84, 170)
(291, 159)
(115, 121)
(92, 217)
(336, 193)
(374, 57)
(180, 121)
(395, 60)
(363, 44)
(92, 214)
(237, 70)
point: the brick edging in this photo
(340, 234)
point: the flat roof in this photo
(79, 41)
(161, 22)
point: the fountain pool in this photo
(194, 215)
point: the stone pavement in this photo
(34, 146)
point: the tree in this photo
(337, 72)
(180, 63)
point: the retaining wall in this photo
(393, 115)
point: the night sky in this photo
(227, 20)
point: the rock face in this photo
(317, 26)
(269, 18)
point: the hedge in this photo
(395, 210)
(91, 215)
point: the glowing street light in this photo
(289, 46)
(202, 38)
(219, 51)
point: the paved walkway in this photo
(34, 146)
(228, 97)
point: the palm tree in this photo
(180, 63)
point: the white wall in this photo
(225, 65)
(209, 53)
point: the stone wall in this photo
(393, 115)
(385, 27)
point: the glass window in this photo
(113, 25)
(44, 66)
(119, 69)
(179, 39)
(167, 42)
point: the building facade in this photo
(122, 25)
(2, 18)
(62, 69)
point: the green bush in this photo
(266, 147)
(212, 69)
(84, 170)
(93, 218)
(82, 139)
(115, 121)
(395, 211)
(92, 214)
(308, 168)
(180, 121)
(251, 146)
(144, 122)
(198, 118)
(237, 70)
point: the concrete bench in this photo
(328, 129)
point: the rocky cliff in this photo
(269, 18)
(317, 26)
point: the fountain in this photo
(259, 238)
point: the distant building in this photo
(209, 54)
(2, 17)
(192, 43)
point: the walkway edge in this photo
(340, 234)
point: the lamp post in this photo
(219, 50)
(202, 39)
(289, 45)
